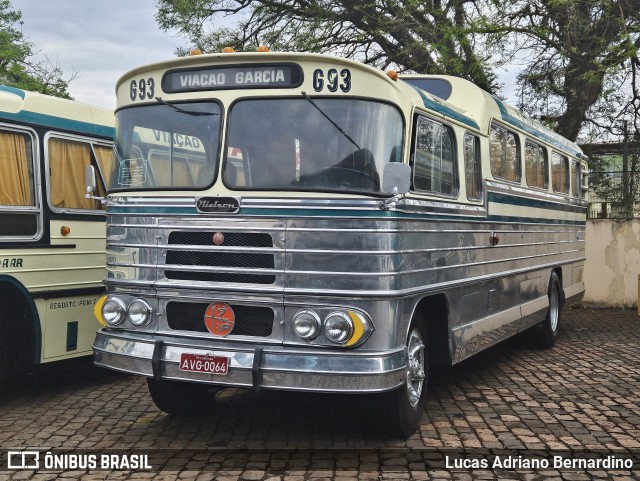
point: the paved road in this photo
(511, 402)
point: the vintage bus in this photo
(52, 248)
(308, 223)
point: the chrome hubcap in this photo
(415, 367)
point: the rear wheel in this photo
(182, 398)
(405, 405)
(546, 333)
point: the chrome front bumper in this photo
(262, 367)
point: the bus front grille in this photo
(246, 264)
(249, 320)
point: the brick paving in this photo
(582, 398)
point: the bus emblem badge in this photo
(218, 238)
(219, 319)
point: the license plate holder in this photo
(217, 365)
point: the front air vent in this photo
(248, 264)
(249, 320)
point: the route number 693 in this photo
(141, 89)
(332, 80)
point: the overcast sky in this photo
(103, 39)
(98, 39)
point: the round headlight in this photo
(338, 327)
(306, 325)
(113, 311)
(139, 312)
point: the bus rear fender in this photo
(19, 321)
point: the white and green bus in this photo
(308, 223)
(52, 246)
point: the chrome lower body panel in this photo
(252, 367)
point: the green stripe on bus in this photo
(59, 123)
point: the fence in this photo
(614, 194)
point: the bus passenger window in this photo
(67, 160)
(473, 177)
(16, 169)
(576, 189)
(434, 168)
(104, 157)
(535, 162)
(560, 173)
(504, 154)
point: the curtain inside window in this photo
(104, 157)
(67, 160)
(16, 170)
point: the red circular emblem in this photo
(219, 318)
(218, 238)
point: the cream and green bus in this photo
(304, 222)
(52, 247)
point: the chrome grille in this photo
(249, 320)
(220, 258)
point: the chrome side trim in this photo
(480, 334)
(574, 293)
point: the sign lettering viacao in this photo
(233, 77)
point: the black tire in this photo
(405, 405)
(546, 333)
(182, 398)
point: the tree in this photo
(405, 34)
(17, 67)
(582, 58)
(579, 57)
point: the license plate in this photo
(202, 363)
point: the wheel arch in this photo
(433, 312)
(12, 291)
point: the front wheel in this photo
(182, 398)
(546, 333)
(405, 404)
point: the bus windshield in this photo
(166, 146)
(335, 145)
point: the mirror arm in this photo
(391, 201)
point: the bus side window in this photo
(576, 189)
(560, 173)
(67, 161)
(17, 185)
(504, 154)
(16, 169)
(472, 172)
(104, 158)
(535, 161)
(434, 167)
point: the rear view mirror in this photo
(396, 178)
(90, 179)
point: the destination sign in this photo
(233, 77)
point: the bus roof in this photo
(471, 101)
(454, 98)
(37, 109)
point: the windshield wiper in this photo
(182, 111)
(304, 94)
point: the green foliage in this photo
(16, 66)
(578, 58)
(409, 35)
